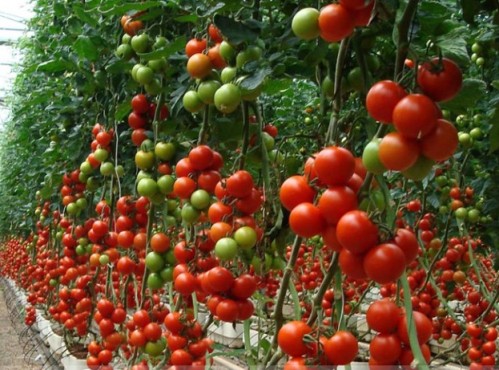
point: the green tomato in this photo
(276, 156)
(160, 42)
(86, 168)
(172, 204)
(305, 24)
(170, 257)
(92, 184)
(189, 214)
(476, 133)
(143, 175)
(268, 141)
(82, 177)
(53, 282)
(120, 171)
(228, 74)
(135, 68)
(154, 87)
(441, 181)
(252, 53)
(104, 259)
(126, 38)
(80, 250)
(245, 237)
(155, 349)
(308, 121)
(480, 61)
(167, 274)
(227, 98)
(147, 187)
(461, 213)
(124, 51)
(191, 101)
(140, 43)
(226, 249)
(154, 281)
(206, 90)
(370, 158)
(419, 170)
(73, 209)
(101, 154)
(107, 169)
(227, 51)
(200, 199)
(373, 62)
(164, 151)
(474, 215)
(154, 261)
(158, 65)
(465, 139)
(144, 160)
(81, 203)
(328, 87)
(165, 184)
(476, 48)
(355, 79)
(144, 75)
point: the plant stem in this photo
(247, 344)
(326, 281)
(150, 217)
(244, 149)
(411, 327)
(203, 133)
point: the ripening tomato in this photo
(356, 232)
(335, 23)
(415, 116)
(290, 338)
(199, 65)
(214, 33)
(306, 220)
(397, 152)
(382, 98)
(440, 79)
(195, 46)
(441, 143)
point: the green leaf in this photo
(494, 132)
(84, 16)
(453, 45)
(275, 86)
(256, 79)
(55, 65)
(127, 7)
(431, 14)
(122, 110)
(85, 48)
(235, 32)
(192, 18)
(166, 51)
(471, 92)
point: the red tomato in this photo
(440, 79)
(415, 116)
(335, 23)
(385, 349)
(334, 165)
(341, 348)
(406, 240)
(383, 316)
(424, 328)
(441, 143)
(195, 46)
(356, 232)
(306, 220)
(335, 202)
(290, 338)
(382, 98)
(239, 184)
(351, 264)
(295, 190)
(384, 263)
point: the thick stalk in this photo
(150, 217)
(203, 133)
(247, 344)
(244, 149)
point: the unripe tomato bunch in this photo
(334, 22)
(225, 90)
(421, 136)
